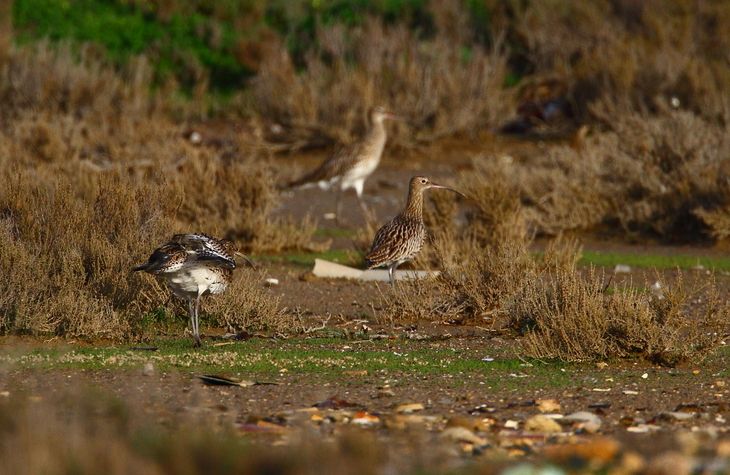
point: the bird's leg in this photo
(191, 311)
(338, 206)
(391, 273)
(197, 322)
(365, 211)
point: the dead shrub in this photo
(247, 305)
(561, 311)
(95, 176)
(237, 200)
(570, 315)
(440, 85)
(628, 57)
(650, 176)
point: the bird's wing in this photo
(166, 258)
(207, 249)
(333, 167)
(395, 241)
(383, 249)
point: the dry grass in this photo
(490, 278)
(442, 85)
(570, 315)
(90, 432)
(96, 176)
(663, 177)
(623, 56)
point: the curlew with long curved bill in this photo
(402, 238)
(351, 166)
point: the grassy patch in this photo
(323, 357)
(335, 233)
(178, 45)
(656, 261)
(306, 259)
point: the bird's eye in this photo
(424, 181)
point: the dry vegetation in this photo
(442, 85)
(663, 177)
(90, 432)
(96, 175)
(490, 277)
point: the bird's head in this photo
(422, 183)
(379, 114)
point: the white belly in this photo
(194, 281)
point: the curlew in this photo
(193, 265)
(351, 166)
(402, 238)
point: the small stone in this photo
(642, 428)
(677, 416)
(365, 419)
(4, 393)
(409, 408)
(270, 282)
(630, 392)
(329, 216)
(510, 424)
(542, 424)
(583, 420)
(462, 434)
(622, 269)
(645, 376)
(196, 138)
(149, 369)
(547, 405)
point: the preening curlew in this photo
(402, 238)
(193, 265)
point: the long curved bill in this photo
(444, 187)
(245, 258)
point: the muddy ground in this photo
(642, 407)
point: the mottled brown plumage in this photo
(193, 265)
(350, 166)
(402, 238)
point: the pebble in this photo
(677, 416)
(510, 424)
(462, 434)
(409, 408)
(583, 420)
(543, 424)
(271, 282)
(622, 269)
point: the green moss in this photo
(306, 259)
(326, 357)
(656, 261)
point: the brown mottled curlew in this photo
(402, 238)
(352, 165)
(193, 265)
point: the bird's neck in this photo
(376, 133)
(414, 205)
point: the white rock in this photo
(584, 420)
(510, 424)
(622, 269)
(196, 138)
(271, 281)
